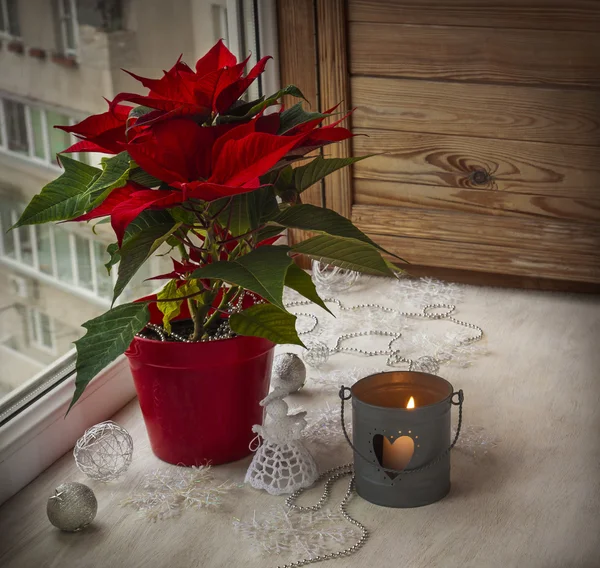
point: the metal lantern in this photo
(402, 437)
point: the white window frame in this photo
(62, 25)
(48, 160)
(7, 33)
(35, 438)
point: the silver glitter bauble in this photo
(426, 364)
(289, 372)
(72, 507)
(316, 354)
(332, 278)
(104, 451)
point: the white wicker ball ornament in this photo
(289, 372)
(316, 354)
(72, 507)
(104, 451)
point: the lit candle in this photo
(398, 452)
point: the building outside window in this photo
(29, 130)
(9, 18)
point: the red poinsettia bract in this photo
(100, 132)
(212, 88)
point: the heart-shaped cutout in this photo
(394, 453)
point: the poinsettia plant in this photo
(194, 166)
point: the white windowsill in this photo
(36, 437)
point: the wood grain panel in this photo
(562, 116)
(476, 54)
(297, 62)
(516, 233)
(576, 15)
(518, 167)
(481, 201)
(493, 259)
(334, 89)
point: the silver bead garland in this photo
(394, 356)
(224, 331)
(332, 476)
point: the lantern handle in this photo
(346, 394)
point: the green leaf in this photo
(171, 309)
(115, 256)
(268, 232)
(241, 108)
(298, 280)
(318, 219)
(262, 271)
(291, 90)
(346, 253)
(138, 175)
(115, 174)
(311, 173)
(64, 198)
(143, 236)
(268, 321)
(107, 337)
(247, 211)
(296, 115)
(168, 309)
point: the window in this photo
(29, 131)
(67, 27)
(9, 18)
(53, 278)
(41, 330)
(106, 15)
(16, 127)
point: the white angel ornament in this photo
(281, 464)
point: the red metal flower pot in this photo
(200, 400)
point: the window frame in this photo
(48, 161)
(35, 437)
(35, 270)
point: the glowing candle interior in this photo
(398, 452)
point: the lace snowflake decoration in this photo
(324, 427)
(306, 534)
(168, 492)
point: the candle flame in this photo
(411, 403)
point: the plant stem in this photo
(233, 292)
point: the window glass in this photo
(62, 246)
(59, 270)
(33, 326)
(58, 139)
(106, 15)
(44, 248)
(16, 126)
(13, 18)
(36, 130)
(8, 239)
(105, 285)
(46, 336)
(26, 245)
(84, 262)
